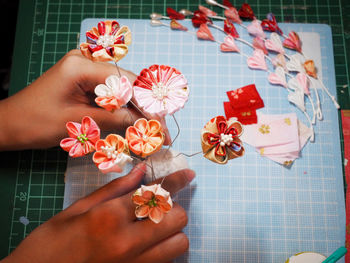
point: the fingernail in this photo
(190, 175)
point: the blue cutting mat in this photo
(252, 209)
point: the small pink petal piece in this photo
(255, 29)
(257, 61)
(204, 33)
(232, 14)
(207, 11)
(278, 77)
(258, 43)
(303, 81)
(229, 45)
(274, 43)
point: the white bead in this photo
(222, 144)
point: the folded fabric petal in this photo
(270, 24)
(279, 61)
(230, 29)
(255, 29)
(293, 42)
(297, 98)
(258, 43)
(257, 61)
(177, 26)
(227, 3)
(204, 33)
(173, 14)
(274, 43)
(206, 11)
(246, 12)
(295, 63)
(229, 45)
(200, 18)
(300, 82)
(232, 14)
(278, 77)
(310, 69)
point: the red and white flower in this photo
(107, 42)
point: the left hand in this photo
(36, 116)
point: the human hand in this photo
(36, 116)
(102, 227)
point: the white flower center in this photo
(109, 151)
(144, 137)
(159, 91)
(105, 40)
(225, 139)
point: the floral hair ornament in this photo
(112, 154)
(82, 137)
(145, 137)
(270, 24)
(107, 42)
(220, 140)
(114, 94)
(152, 202)
(161, 90)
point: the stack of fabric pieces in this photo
(243, 103)
(277, 137)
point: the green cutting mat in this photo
(32, 182)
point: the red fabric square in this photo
(244, 116)
(246, 97)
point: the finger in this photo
(118, 120)
(165, 251)
(150, 233)
(172, 183)
(114, 189)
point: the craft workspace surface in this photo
(252, 210)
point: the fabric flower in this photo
(107, 42)
(220, 140)
(82, 137)
(116, 93)
(112, 154)
(161, 90)
(145, 137)
(152, 201)
(270, 24)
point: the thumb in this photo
(114, 189)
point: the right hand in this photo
(102, 227)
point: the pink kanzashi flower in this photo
(161, 90)
(152, 201)
(82, 137)
(116, 93)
